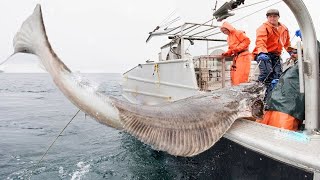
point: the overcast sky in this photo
(109, 36)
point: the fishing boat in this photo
(178, 75)
(177, 127)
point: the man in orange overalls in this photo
(272, 37)
(238, 47)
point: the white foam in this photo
(83, 169)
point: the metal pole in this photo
(182, 42)
(311, 63)
(207, 47)
(300, 63)
(223, 75)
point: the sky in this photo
(109, 36)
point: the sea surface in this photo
(33, 112)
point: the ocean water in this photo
(33, 112)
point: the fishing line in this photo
(6, 59)
(170, 22)
(55, 141)
(167, 18)
(278, 61)
(197, 26)
(254, 71)
(208, 35)
(257, 11)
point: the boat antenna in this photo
(171, 22)
(215, 6)
(168, 17)
(215, 9)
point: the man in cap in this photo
(271, 37)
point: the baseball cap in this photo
(273, 11)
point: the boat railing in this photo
(213, 71)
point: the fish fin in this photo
(181, 129)
(32, 39)
(31, 34)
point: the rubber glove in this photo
(263, 57)
(274, 82)
(298, 33)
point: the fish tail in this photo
(32, 39)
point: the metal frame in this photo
(186, 30)
(311, 63)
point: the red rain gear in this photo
(271, 39)
(238, 46)
(280, 120)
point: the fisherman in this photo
(286, 103)
(271, 37)
(238, 47)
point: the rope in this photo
(168, 17)
(156, 69)
(197, 26)
(278, 61)
(208, 35)
(254, 71)
(257, 11)
(250, 5)
(170, 22)
(54, 141)
(6, 59)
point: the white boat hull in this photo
(294, 148)
(160, 82)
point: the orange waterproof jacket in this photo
(271, 38)
(238, 46)
(237, 40)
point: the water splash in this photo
(82, 170)
(91, 86)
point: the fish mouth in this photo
(257, 108)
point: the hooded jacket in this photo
(237, 40)
(271, 39)
(238, 46)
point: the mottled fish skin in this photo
(186, 127)
(183, 128)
